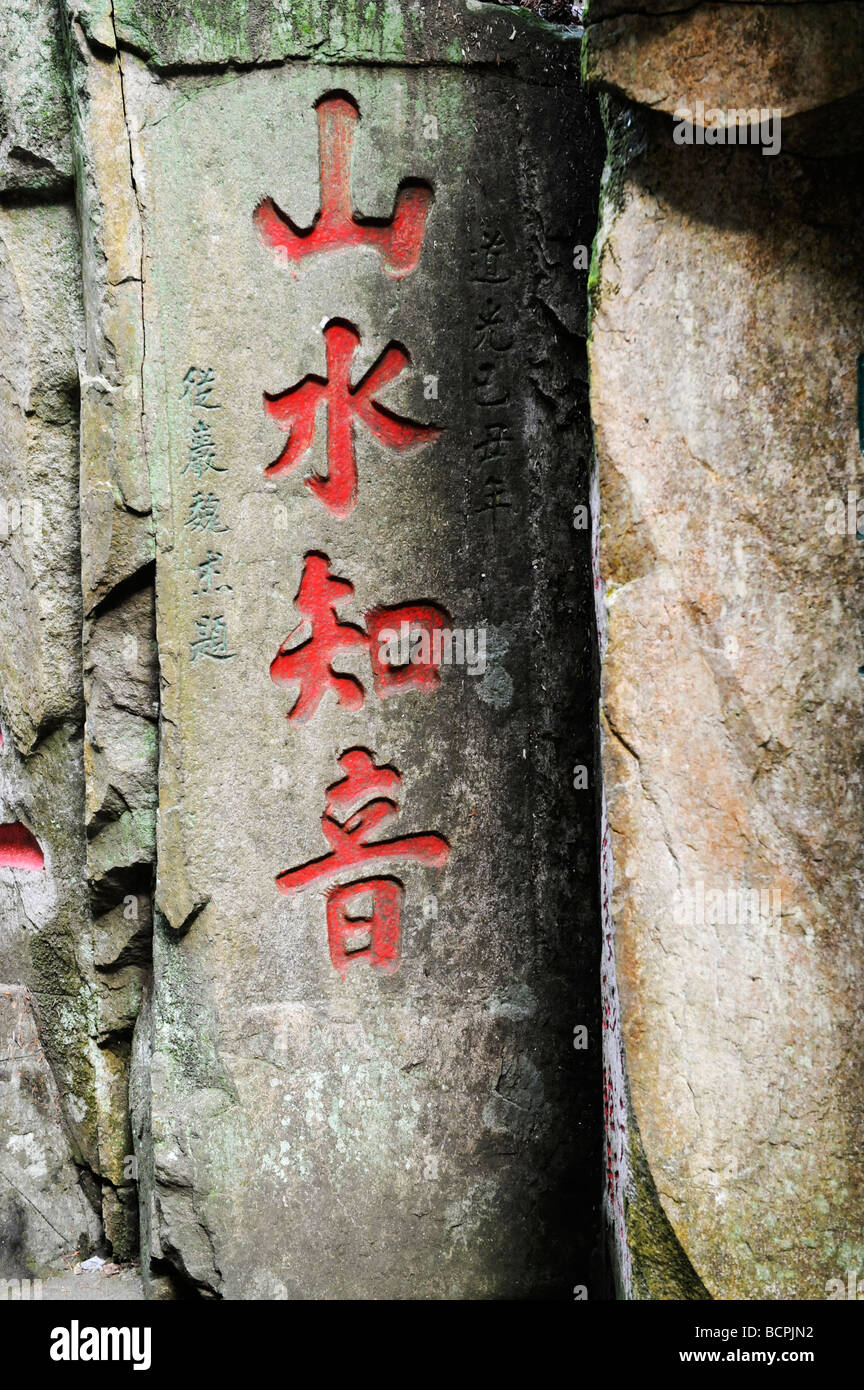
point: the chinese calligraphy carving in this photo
(295, 410)
(204, 513)
(211, 639)
(198, 386)
(202, 451)
(398, 241)
(492, 341)
(211, 630)
(363, 916)
(309, 663)
(362, 802)
(209, 570)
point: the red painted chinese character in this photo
(359, 804)
(336, 225)
(306, 656)
(398, 626)
(295, 411)
(309, 663)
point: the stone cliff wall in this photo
(326, 956)
(726, 324)
(367, 1086)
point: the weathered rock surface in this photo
(45, 919)
(40, 597)
(431, 1125)
(35, 144)
(45, 1213)
(727, 313)
(45, 931)
(119, 640)
(416, 1134)
(256, 31)
(794, 57)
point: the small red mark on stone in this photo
(398, 240)
(19, 848)
(295, 413)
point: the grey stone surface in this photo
(451, 1087)
(300, 1135)
(119, 653)
(45, 929)
(45, 917)
(40, 599)
(35, 144)
(45, 1214)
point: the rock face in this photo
(44, 929)
(300, 822)
(353, 1085)
(298, 379)
(726, 325)
(35, 143)
(797, 56)
(44, 1212)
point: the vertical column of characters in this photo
(363, 906)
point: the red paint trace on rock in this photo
(295, 412)
(398, 240)
(19, 848)
(308, 663)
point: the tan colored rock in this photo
(119, 654)
(795, 57)
(727, 321)
(115, 503)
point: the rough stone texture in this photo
(249, 32)
(727, 313)
(438, 1121)
(45, 937)
(795, 57)
(117, 543)
(45, 919)
(40, 596)
(417, 1135)
(35, 148)
(44, 1212)
(120, 664)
